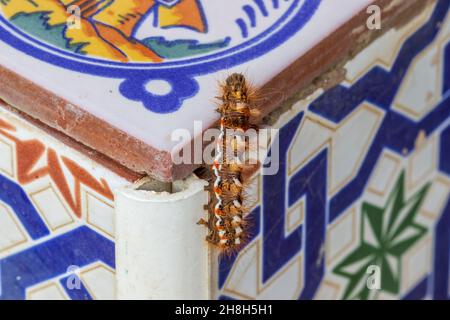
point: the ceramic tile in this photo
(51, 231)
(156, 70)
(206, 29)
(374, 180)
(47, 292)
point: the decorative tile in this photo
(328, 291)
(295, 216)
(99, 281)
(160, 36)
(346, 143)
(47, 224)
(160, 64)
(100, 214)
(341, 235)
(350, 142)
(49, 205)
(286, 285)
(11, 234)
(311, 138)
(422, 163)
(417, 264)
(391, 42)
(383, 177)
(50, 291)
(245, 278)
(421, 89)
(245, 285)
(437, 198)
(373, 178)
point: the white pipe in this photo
(161, 252)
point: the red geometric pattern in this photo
(29, 152)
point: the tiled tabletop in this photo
(148, 67)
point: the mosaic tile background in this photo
(364, 181)
(56, 218)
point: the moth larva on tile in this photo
(227, 213)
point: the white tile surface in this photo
(101, 97)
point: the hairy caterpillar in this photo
(227, 222)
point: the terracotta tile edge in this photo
(88, 131)
(101, 159)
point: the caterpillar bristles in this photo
(227, 210)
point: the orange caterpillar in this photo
(227, 224)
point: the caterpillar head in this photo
(236, 87)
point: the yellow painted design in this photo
(187, 13)
(107, 26)
(124, 15)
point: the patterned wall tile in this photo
(11, 233)
(56, 218)
(50, 291)
(368, 160)
(50, 206)
(99, 281)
